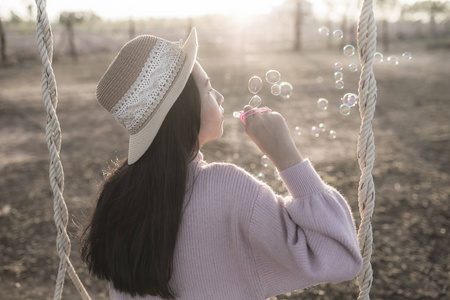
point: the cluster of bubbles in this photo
(349, 100)
(284, 90)
(392, 60)
(317, 131)
(348, 50)
(267, 163)
(273, 77)
(325, 32)
(321, 129)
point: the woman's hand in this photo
(271, 134)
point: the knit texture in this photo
(239, 240)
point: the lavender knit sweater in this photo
(238, 240)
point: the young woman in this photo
(168, 225)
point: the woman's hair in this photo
(130, 240)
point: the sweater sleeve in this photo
(304, 239)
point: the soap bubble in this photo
(275, 89)
(324, 31)
(338, 34)
(332, 134)
(276, 174)
(339, 84)
(273, 76)
(322, 104)
(338, 66)
(349, 50)
(344, 109)
(350, 99)
(237, 114)
(353, 67)
(286, 90)
(338, 76)
(378, 57)
(407, 56)
(392, 60)
(254, 84)
(315, 131)
(261, 175)
(322, 127)
(265, 161)
(298, 130)
(255, 101)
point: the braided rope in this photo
(53, 137)
(367, 92)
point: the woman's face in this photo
(211, 126)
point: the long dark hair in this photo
(130, 240)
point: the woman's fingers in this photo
(251, 112)
(271, 134)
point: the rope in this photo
(367, 93)
(53, 137)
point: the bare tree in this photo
(298, 26)
(432, 8)
(132, 29)
(2, 44)
(30, 11)
(190, 24)
(330, 6)
(15, 19)
(68, 19)
(385, 6)
(344, 24)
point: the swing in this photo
(365, 149)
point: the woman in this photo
(169, 225)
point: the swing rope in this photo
(367, 93)
(53, 137)
(365, 148)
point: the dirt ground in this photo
(412, 136)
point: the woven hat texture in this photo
(143, 82)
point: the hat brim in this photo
(141, 141)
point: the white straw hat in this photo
(143, 82)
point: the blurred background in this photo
(92, 27)
(303, 40)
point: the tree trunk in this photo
(385, 39)
(2, 44)
(132, 30)
(344, 30)
(433, 30)
(353, 34)
(448, 26)
(189, 26)
(298, 27)
(330, 38)
(73, 50)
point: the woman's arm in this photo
(305, 239)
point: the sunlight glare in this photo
(169, 8)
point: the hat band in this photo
(150, 87)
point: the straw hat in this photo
(143, 82)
